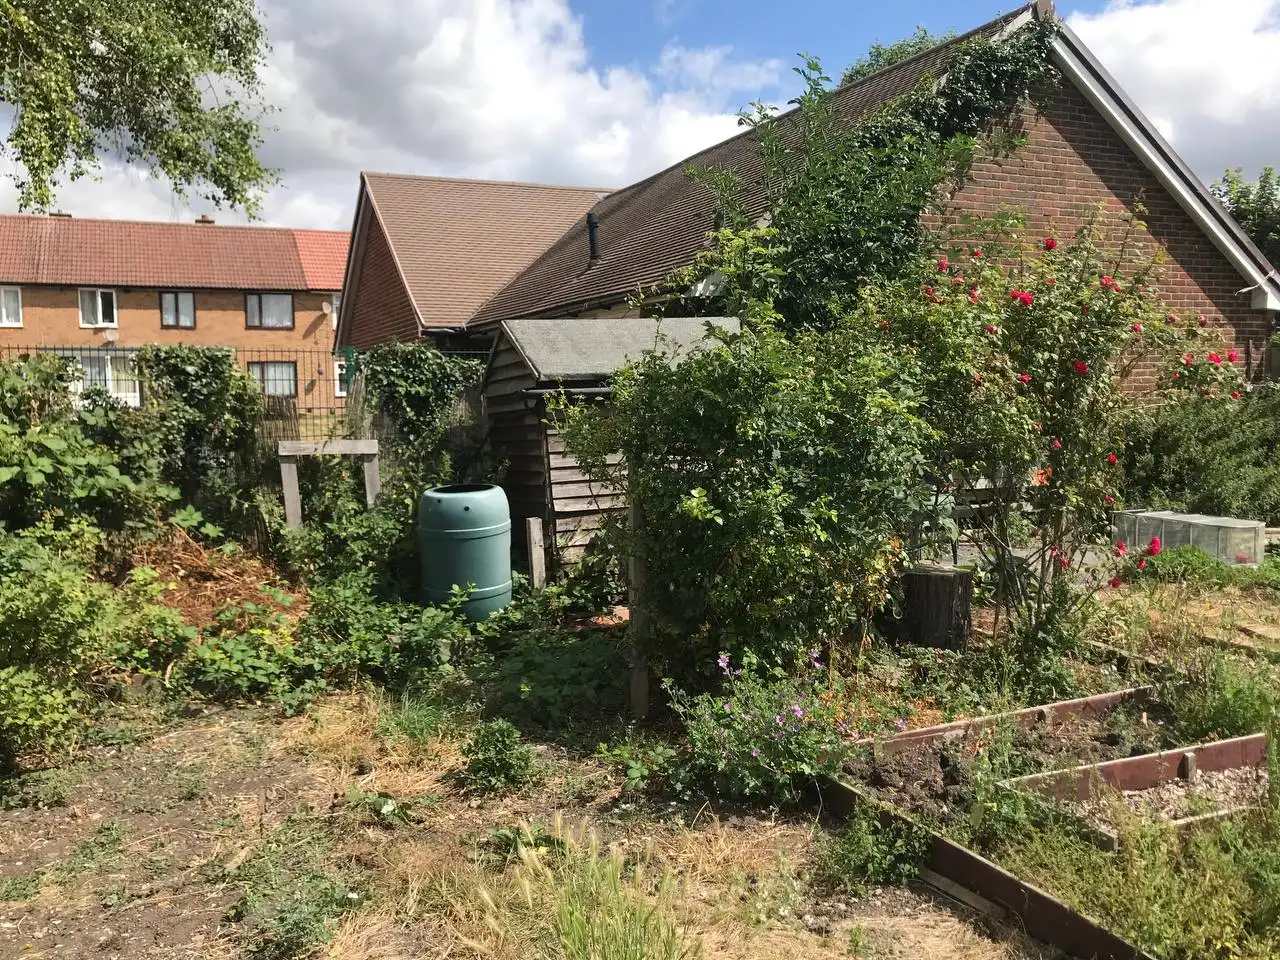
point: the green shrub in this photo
(496, 759)
(757, 739)
(1209, 455)
(1215, 697)
(869, 851)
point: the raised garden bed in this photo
(929, 772)
(1186, 788)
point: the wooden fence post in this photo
(638, 626)
(292, 496)
(537, 553)
(372, 478)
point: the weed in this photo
(773, 896)
(869, 850)
(386, 810)
(496, 759)
(290, 900)
(41, 788)
(94, 851)
(502, 846)
(644, 766)
(1216, 697)
(419, 718)
(859, 945)
(22, 887)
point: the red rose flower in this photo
(1154, 548)
(991, 328)
(1050, 281)
(1232, 356)
(1024, 378)
(1202, 320)
(1137, 328)
(884, 324)
(943, 265)
(1121, 548)
(1235, 394)
(1056, 444)
(1171, 319)
(1188, 359)
(1215, 359)
(973, 296)
(958, 280)
(1112, 459)
(1109, 500)
(977, 254)
(1142, 563)
(1080, 367)
(1064, 561)
(1177, 375)
(1106, 282)
(1114, 582)
(1050, 243)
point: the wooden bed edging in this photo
(1147, 769)
(993, 889)
(1028, 717)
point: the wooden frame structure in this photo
(291, 450)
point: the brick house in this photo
(100, 289)
(427, 252)
(1086, 145)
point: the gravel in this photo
(1208, 792)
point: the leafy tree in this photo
(1255, 205)
(170, 84)
(879, 56)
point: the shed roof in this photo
(584, 348)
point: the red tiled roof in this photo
(324, 257)
(66, 251)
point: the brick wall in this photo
(51, 317)
(383, 310)
(1073, 160)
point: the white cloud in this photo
(478, 88)
(1206, 71)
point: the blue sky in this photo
(836, 31)
(604, 92)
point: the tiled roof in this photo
(323, 254)
(457, 242)
(67, 251)
(655, 226)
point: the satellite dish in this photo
(326, 307)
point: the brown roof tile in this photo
(658, 225)
(457, 242)
(66, 251)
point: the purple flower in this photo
(778, 719)
(723, 661)
(797, 710)
(813, 655)
(901, 723)
(755, 752)
(728, 707)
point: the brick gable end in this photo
(1070, 162)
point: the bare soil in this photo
(167, 838)
(1208, 792)
(936, 781)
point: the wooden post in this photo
(372, 479)
(292, 496)
(537, 553)
(638, 626)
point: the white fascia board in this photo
(1265, 290)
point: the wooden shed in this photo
(535, 357)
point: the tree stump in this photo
(935, 606)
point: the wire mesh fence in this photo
(307, 394)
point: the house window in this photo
(277, 378)
(111, 370)
(97, 307)
(269, 311)
(178, 310)
(10, 307)
(341, 380)
(337, 307)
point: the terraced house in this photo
(98, 290)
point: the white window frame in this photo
(6, 322)
(339, 369)
(262, 380)
(98, 292)
(177, 309)
(256, 298)
(336, 303)
(132, 396)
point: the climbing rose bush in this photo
(1029, 347)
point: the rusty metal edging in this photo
(1038, 914)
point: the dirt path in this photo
(234, 834)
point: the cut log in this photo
(935, 606)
